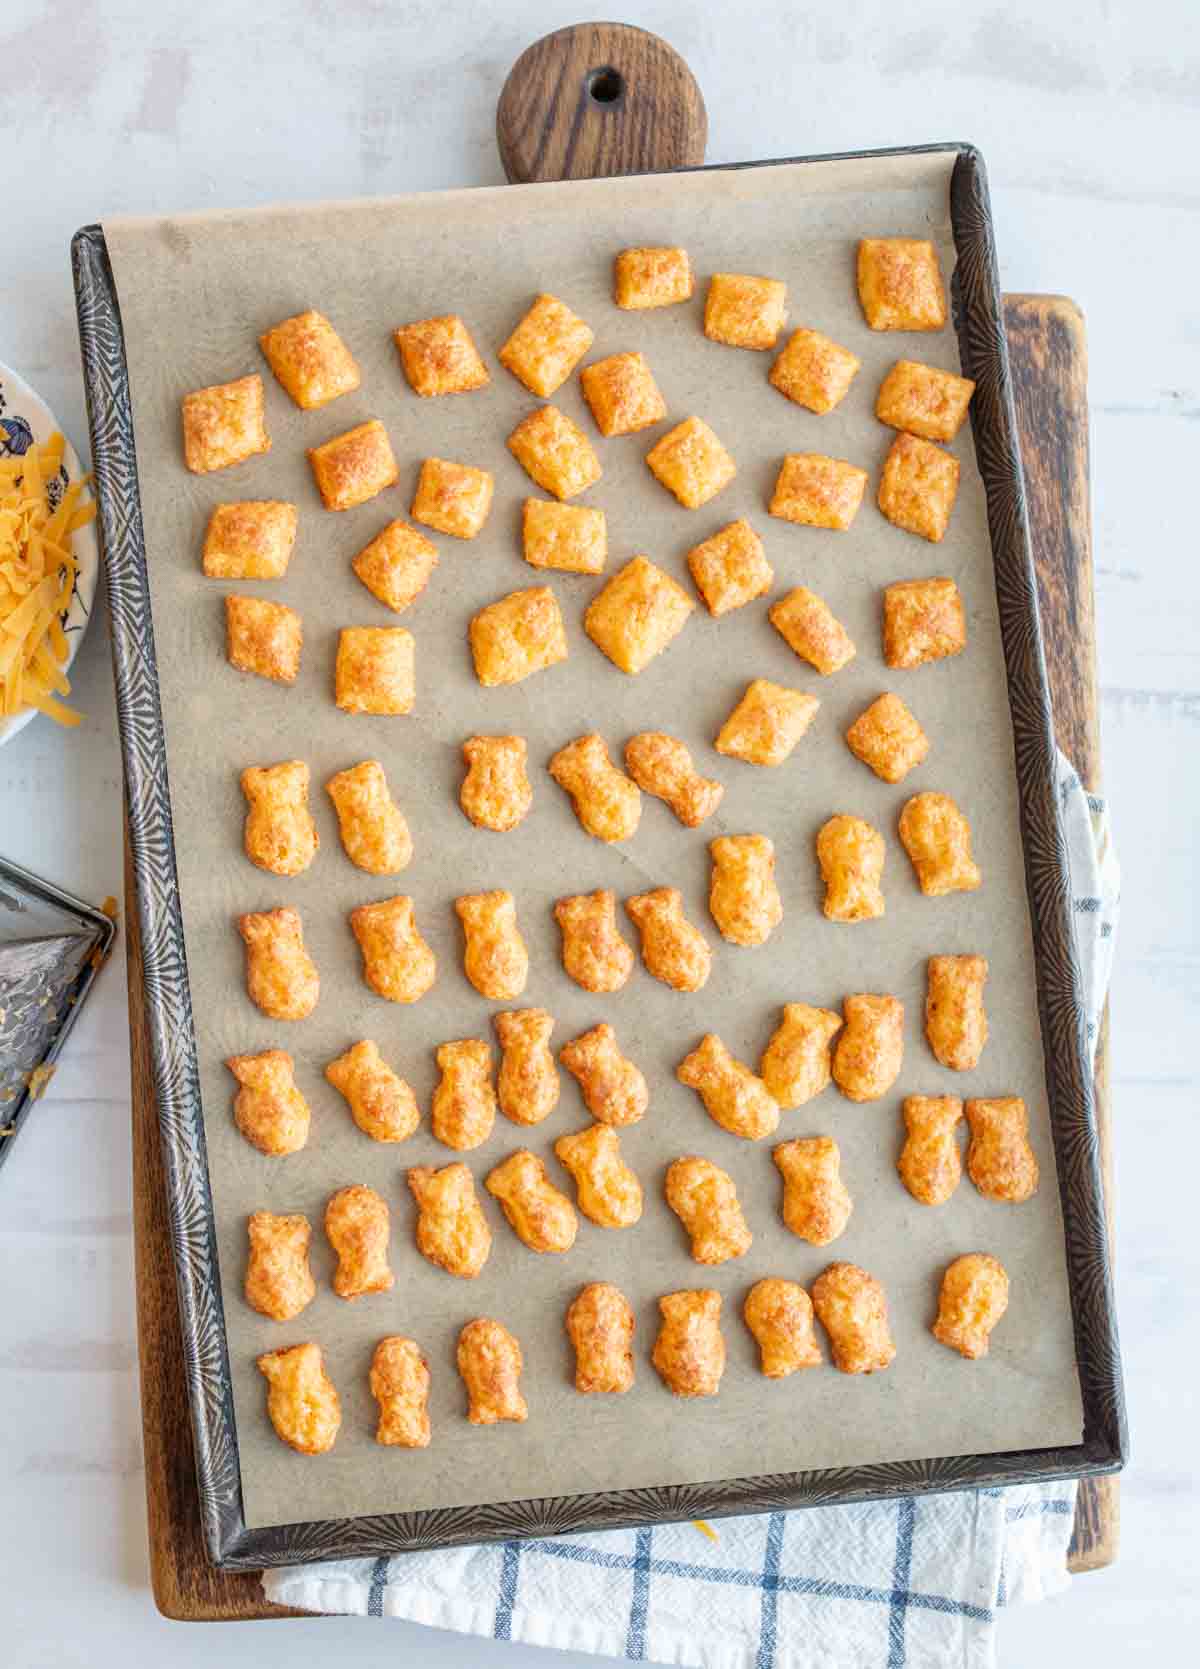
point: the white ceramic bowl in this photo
(29, 421)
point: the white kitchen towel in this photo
(911, 1584)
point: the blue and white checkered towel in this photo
(911, 1584)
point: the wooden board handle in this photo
(599, 99)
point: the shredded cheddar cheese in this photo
(37, 578)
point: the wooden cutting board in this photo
(595, 100)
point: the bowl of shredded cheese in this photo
(49, 560)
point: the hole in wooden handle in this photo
(632, 106)
(606, 85)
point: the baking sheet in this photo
(194, 293)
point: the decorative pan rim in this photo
(979, 321)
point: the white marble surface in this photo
(1089, 117)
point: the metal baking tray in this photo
(231, 1543)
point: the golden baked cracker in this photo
(224, 424)
(375, 670)
(439, 356)
(608, 1192)
(900, 284)
(637, 614)
(888, 738)
(495, 959)
(852, 1308)
(546, 346)
(496, 792)
(302, 1402)
(281, 977)
(851, 855)
(743, 311)
(955, 1019)
(451, 1228)
(396, 566)
(672, 949)
(452, 498)
(528, 1086)
(490, 1362)
(937, 837)
(280, 834)
(868, 1055)
(918, 487)
(399, 1382)
(517, 635)
(816, 1202)
(691, 463)
(381, 1103)
(730, 568)
(767, 723)
(354, 467)
(600, 1326)
(464, 1102)
(818, 491)
(704, 1198)
(264, 638)
(780, 1316)
(249, 540)
(810, 629)
(652, 277)
(973, 1298)
(662, 765)
(921, 400)
(1000, 1160)
(930, 1165)
(795, 1065)
(279, 1282)
(614, 1091)
(397, 963)
(622, 394)
(570, 537)
(310, 360)
(374, 831)
(594, 953)
(743, 898)
(733, 1097)
(814, 371)
(689, 1352)
(268, 1109)
(923, 620)
(607, 803)
(357, 1227)
(555, 453)
(537, 1212)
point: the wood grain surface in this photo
(599, 99)
(1047, 342)
(549, 126)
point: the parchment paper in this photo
(195, 293)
